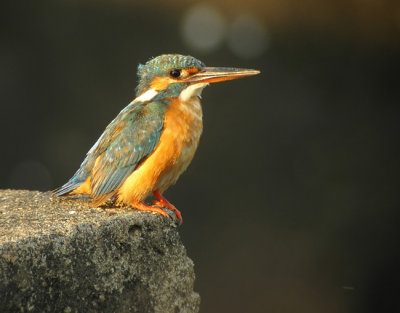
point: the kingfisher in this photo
(152, 141)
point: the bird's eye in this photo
(175, 73)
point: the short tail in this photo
(78, 179)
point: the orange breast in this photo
(175, 150)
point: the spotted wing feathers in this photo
(125, 143)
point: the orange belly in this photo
(174, 152)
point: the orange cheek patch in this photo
(161, 83)
(191, 71)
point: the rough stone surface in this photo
(64, 256)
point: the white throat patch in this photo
(192, 91)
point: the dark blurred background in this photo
(291, 203)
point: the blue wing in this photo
(125, 143)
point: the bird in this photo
(151, 142)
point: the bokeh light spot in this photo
(247, 37)
(203, 28)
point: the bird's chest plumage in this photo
(178, 143)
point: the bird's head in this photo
(173, 73)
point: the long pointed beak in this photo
(219, 74)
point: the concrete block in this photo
(64, 256)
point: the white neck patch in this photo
(186, 94)
(192, 91)
(147, 96)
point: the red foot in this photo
(148, 208)
(166, 204)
